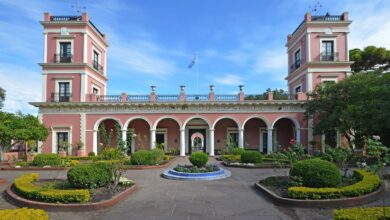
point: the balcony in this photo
(65, 18)
(97, 66)
(295, 65)
(326, 56)
(61, 97)
(63, 58)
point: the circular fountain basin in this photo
(215, 175)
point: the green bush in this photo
(371, 213)
(368, 183)
(251, 157)
(110, 153)
(23, 214)
(231, 158)
(25, 186)
(199, 159)
(235, 151)
(89, 176)
(91, 154)
(142, 157)
(47, 160)
(147, 157)
(316, 173)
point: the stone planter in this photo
(81, 153)
(62, 153)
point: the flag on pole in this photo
(193, 62)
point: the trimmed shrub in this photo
(47, 160)
(110, 153)
(24, 185)
(251, 157)
(158, 155)
(235, 151)
(316, 173)
(89, 176)
(91, 154)
(23, 214)
(371, 213)
(199, 159)
(368, 183)
(231, 158)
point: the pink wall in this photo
(61, 122)
(302, 45)
(220, 138)
(93, 82)
(51, 81)
(173, 130)
(284, 133)
(142, 132)
(316, 45)
(110, 127)
(252, 133)
(77, 46)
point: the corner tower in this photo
(74, 62)
(318, 52)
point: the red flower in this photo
(292, 141)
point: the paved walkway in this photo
(158, 198)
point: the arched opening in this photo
(226, 135)
(256, 134)
(138, 135)
(196, 128)
(168, 135)
(108, 134)
(285, 131)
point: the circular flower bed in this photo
(199, 170)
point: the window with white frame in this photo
(328, 52)
(95, 90)
(64, 51)
(63, 91)
(297, 59)
(298, 89)
(62, 141)
(232, 137)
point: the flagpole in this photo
(197, 73)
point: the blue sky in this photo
(152, 42)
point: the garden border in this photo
(254, 167)
(33, 168)
(23, 202)
(2, 181)
(326, 203)
(146, 167)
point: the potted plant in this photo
(62, 147)
(32, 150)
(80, 149)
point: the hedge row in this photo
(147, 157)
(89, 176)
(24, 185)
(372, 213)
(368, 183)
(23, 214)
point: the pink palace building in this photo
(75, 105)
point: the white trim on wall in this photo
(55, 130)
(296, 86)
(45, 47)
(329, 39)
(85, 44)
(73, 72)
(44, 86)
(309, 82)
(83, 86)
(57, 86)
(83, 127)
(231, 130)
(308, 49)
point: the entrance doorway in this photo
(196, 140)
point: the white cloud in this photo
(22, 85)
(228, 79)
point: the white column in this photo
(241, 138)
(124, 137)
(298, 135)
(211, 153)
(94, 146)
(269, 141)
(85, 48)
(338, 138)
(182, 142)
(152, 138)
(323, 143)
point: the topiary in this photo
(91, 154)
(199, 159)
(316, 173)
(89, 176)
(111, 153)
(236, 151)
(41, 160)
(143, 157)
(251, 157)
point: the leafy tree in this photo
(17, 128)
(369, 59)
(357, 106)
(278, 94)
(2, 97)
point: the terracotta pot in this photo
(62, 153)
(30, 157)
(81, 153)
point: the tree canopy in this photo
(19, 127)
(357, 106)
(278, 94)
(369, 59)
(2, 97)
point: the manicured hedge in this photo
(110, 153)
(251, 157)
(368, 183)
(236, 151)
(147, 157)
(89, 176)
(80, 158)
(24, 185)
(231, 157)
(371, 213)
(199, 159)
(316, 173)
(23, 214)
(41, 160)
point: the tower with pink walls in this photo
(318, 52)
